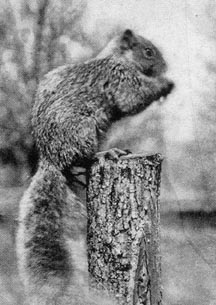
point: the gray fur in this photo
(75, 106)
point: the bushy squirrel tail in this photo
(49, 240)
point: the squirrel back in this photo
(75, 106)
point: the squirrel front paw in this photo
(112, 153)
(168, 87)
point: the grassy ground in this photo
(188, 248)
(188, 260)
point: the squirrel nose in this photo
(163, 67)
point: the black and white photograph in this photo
(107, 152)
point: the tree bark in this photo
(41, 16)
(123, 228)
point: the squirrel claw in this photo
(112, 153)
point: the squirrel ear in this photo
(127, 40)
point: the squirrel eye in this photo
(135, 44)
(149, 52)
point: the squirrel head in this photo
(142, 53)
(138, 51)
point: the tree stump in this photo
(123, 228)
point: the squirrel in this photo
(75, 106)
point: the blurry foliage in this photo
(30, 45)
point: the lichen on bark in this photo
(123, 228)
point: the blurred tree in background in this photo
(33, 40)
